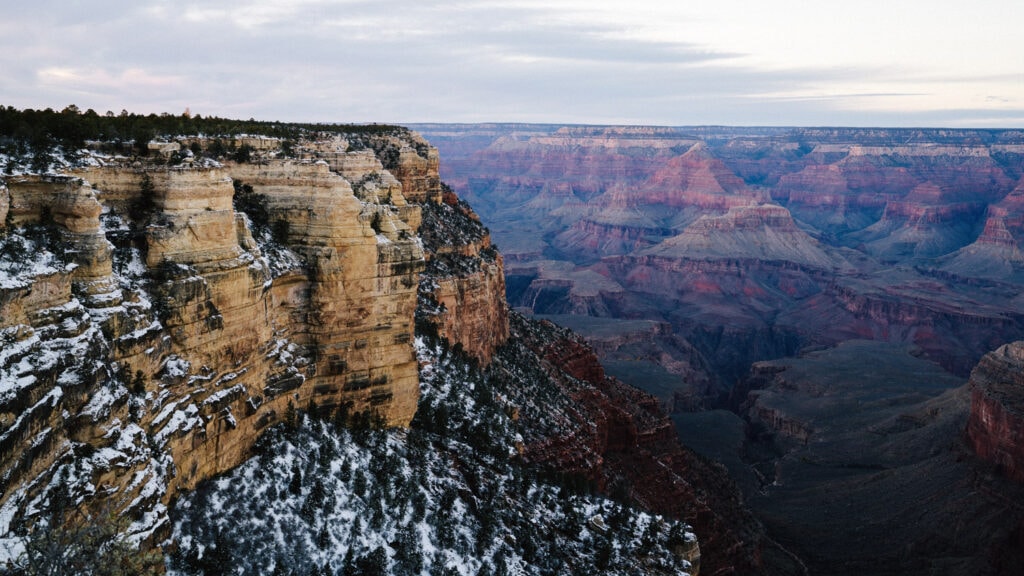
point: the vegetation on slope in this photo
(445, 497)
(31, 140)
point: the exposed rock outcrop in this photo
(749, 232)
(465, 281)
(997, 252)
(193, 307)
(996, 425)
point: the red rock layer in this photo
(996, 425)
(696, 179)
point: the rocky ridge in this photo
(582, 424)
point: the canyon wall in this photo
(464, 284)
(155, 320)
(753, 243)
(995, 428)
(615, 437)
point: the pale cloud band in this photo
(781, 62)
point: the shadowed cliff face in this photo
(583, 424)
(855, 459)
(156, 320)
(996, 425)
(754, 243)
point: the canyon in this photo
(756, 243)
(827, 319)
(807, 302)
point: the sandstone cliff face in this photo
(996, 425)
(465, 281)
(71, 205)
(196, 306)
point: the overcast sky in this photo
(737, 62)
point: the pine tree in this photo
(373, 564)
(323, 538)
(290, 416)
(295, 486)
(348, 565)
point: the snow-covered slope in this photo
(449, 496)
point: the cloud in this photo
(100, 80)
(405, 61)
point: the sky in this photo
(732, 62)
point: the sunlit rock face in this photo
(156, 320)
(996, 425)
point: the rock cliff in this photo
(616, 437)
(156, 319)
(995, 428)
(464, 287)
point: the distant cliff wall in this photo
(996, 425)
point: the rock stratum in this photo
(155, 319)
(995, 428)
(754, 243)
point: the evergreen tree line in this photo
(29, 130)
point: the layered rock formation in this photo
(465, 281)
(763, 232)
(997, 252)
(753, 243)
(996, 425)
(166, 316)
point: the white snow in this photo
(180, 420)
(222, 394)
(102, 400)
(176, 367)
(153, 326)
